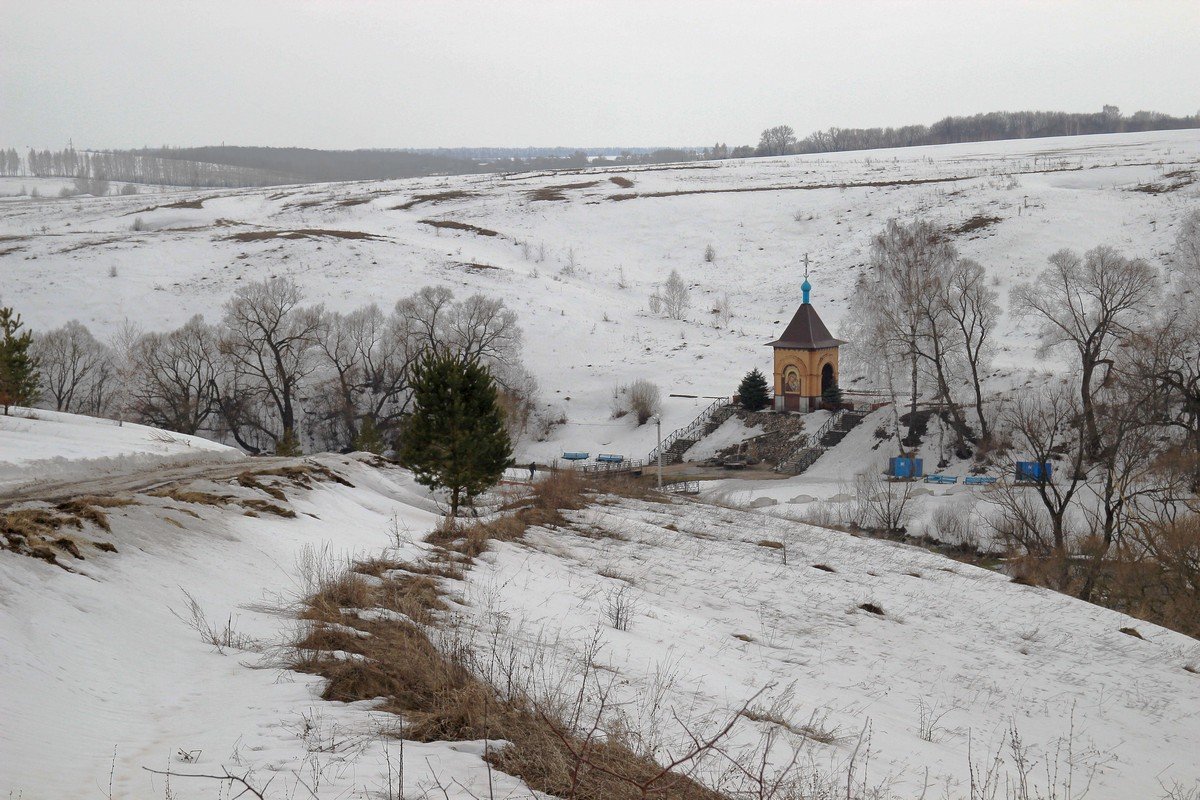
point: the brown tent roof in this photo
(806, 332)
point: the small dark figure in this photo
(532, 469)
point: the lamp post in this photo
(658, 425)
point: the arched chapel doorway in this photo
(826, 378)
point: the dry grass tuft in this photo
(441, 699)
(624, 183)
(872, 608)
(195, 498)
(250, 480)
(262, 506)
(824, 567)
(37, 532)
(1134, 632)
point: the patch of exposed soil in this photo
(459, 226)
(975, 223)
(557, 192)
(301, 233)
(434, 198)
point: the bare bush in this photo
(881, 503)
(620, 606)
(643, 399)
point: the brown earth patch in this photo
(459, 226)
(301, 233)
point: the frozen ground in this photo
(951, 660)
(579, 261)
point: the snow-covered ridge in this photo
(37, 446)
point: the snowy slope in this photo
(102, 676)
(957, 658)
(38, 445)
(587, 326)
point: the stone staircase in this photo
(682, 440)
(829, 435)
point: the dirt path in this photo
(142, 480)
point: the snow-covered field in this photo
(579, 268)
(957, 659)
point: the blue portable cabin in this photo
(575, 456)
(905, 468)
(610, 458)
(1034, 471)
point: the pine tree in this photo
(832, 396)
(18, 368)
(368, 439)
(455, 439)
(753, 392)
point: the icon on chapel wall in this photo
(791, 381)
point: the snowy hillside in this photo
(577, 254)
(159, 647)
(866, 649)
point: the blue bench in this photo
(979, 480)
(610, 458)
(574, 456)
(944, 479)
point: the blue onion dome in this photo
(806, 287)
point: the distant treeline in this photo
(227, 166)
(993, 126)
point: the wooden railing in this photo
(683, 433)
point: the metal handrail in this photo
(694, 426)
(624, 466)
(814, 439)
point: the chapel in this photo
(806, 359)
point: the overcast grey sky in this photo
(420, 74)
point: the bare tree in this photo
(76, 369)
(123, 344)
(1187, 244)
(895, 297)
(1089, 304)
(1166, 356)
(974, 310)
(675, 297)
(365, 358)
(267, 341)
(777, 141)
(175, 383)
(483, 329)
(426, 312)
(1036, 517)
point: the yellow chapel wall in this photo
(809, 363)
